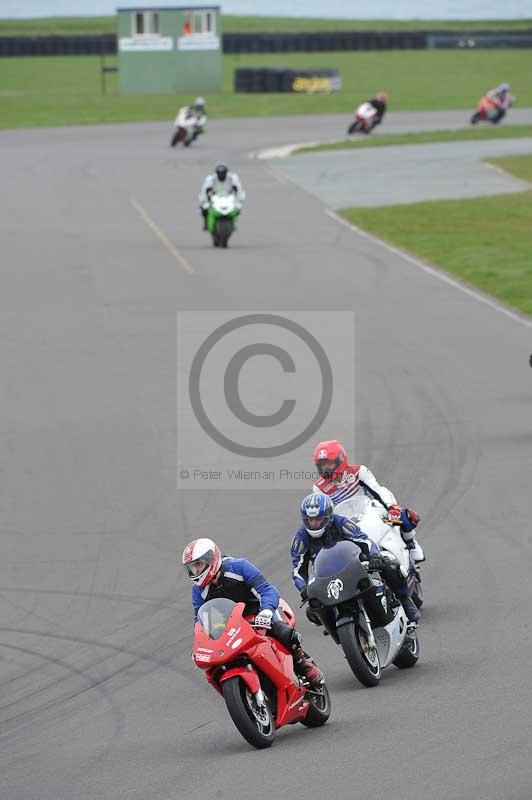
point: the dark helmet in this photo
(221, 171)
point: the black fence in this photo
(304, 81)
(322, 42)
(329, 41)
(99, 44)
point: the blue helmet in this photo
(317, 512)
(504, 87)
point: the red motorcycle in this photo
(254, 673)
(487, 110)
(365, 119)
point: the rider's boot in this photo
(410, 609)
(305, 667)
(413, 545)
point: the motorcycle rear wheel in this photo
(408, 655)
(352, 639)
(319, 709)
(256, 725)
(417, 593)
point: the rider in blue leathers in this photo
(241, 581)
(322, 528)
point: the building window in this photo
(145, 23)
(199, 21)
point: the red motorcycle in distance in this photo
(487, 111)
(254, 673)
(365, 119)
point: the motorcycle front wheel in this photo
(353, 128)
(475, 118)
(255, 723)
(224, 227)
(363, 660)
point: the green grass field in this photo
(519, 166)
(387, 140)
(484, 241)
(66, 90)
(234, 24)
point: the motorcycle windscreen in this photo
(333, 560)
(214, 614)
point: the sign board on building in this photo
(198, 41)
(144, 43)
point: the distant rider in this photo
(342, 481)
(501, 98)
(220, 182)
(322, 528)
(193, 119)
(379, 104)
(241, 581)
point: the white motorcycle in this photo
(365, 119)
(187, 128)
(371, 518)
(360, 613)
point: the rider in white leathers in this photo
(220, 182)
(193, 119)
(342, 482)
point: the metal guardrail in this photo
(470, 41)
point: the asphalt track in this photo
(98, 698)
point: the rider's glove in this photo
(394, 514)
(263, 619)
(412, 515)
(304, 594)
(375, 564)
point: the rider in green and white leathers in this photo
(221, 181)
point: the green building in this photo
(169, 49)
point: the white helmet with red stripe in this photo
(202, 560)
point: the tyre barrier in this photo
(328, 41)
(302, 81)
(99, 44)
(322, 42)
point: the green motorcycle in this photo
(221, 218)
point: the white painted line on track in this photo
(161, 235)
(283, 151)
(432, 271)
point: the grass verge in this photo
(65, 90)
(484, 241)
(233, 24)
(387, 140)
(519, 166)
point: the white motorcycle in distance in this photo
(187, 127)
(371, 518)
(365, 119)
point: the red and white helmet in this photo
(202, 560)
(331, 459)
